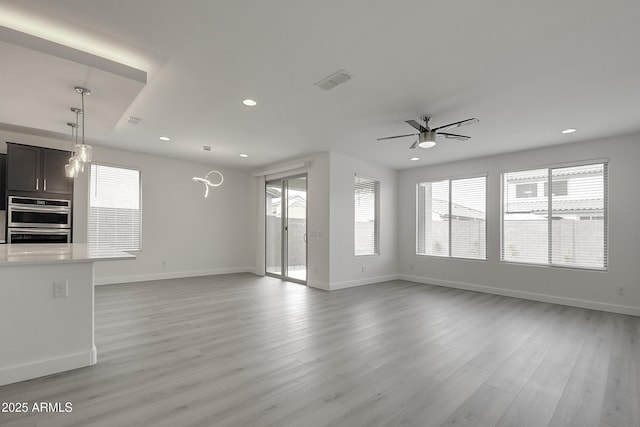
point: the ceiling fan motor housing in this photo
(427, 139)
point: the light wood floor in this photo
(239, 350)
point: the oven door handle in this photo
(60, 231)
(60, 209)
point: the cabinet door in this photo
(3, 194)
(23, 168)
(54, 179)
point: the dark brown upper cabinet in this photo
(3, 187)
(37, 170)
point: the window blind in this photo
(114, 208)
(451, 218)
(468, 218)
(567, 227)
(367, 216)
(433, 214)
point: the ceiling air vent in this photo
(334, 80)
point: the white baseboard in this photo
(361, 282)
(112, 280)
(572, 302)
(41, 368)
(318, 285)
(350, 283)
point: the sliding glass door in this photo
(286, 228)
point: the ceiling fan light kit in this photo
(427, 136)
(427, 139)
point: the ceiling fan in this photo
(427, 136)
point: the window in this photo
(451, 218)
(559, 188)
(114, 208)
(367, 216)
(565, 228)
(526, 190)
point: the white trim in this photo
(585, 162)
(452, 178)
(40, 368)
(572, 302)
(361, 282)
(324, 286)
(112, 280)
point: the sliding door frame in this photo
(284, 230)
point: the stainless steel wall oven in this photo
(38, 220)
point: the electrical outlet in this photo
(620, 291)
(164, 263)
(60, 289)
(363, 269)
(411, 266)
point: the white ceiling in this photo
(526, 69)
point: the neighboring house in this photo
(577, 193)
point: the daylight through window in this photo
(567, 227)
(451, 218)
(367, 216)
(114, 208)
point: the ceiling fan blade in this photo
(397, 136)
(454, 136)
(416, 125)
(414, 145)
(457, 124)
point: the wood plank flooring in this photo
(241, 350)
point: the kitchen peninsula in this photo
(47, 308)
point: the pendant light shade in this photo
(72, 168)
(84, 153)
(70, 171)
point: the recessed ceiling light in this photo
(244, 155)
(413, 159)
(249, 102)
(570, 130)
(164, 138)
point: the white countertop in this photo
(14, 254)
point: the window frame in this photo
(549, 196)
(140, 208)
(484, 175)
(376, 237)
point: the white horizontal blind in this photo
(367, 216)
(565, 227)
(114, 208)
(469, 218)
(451, 218)
(524, 217)
(433, 218)
(578, 225)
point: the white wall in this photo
(183, 234)
(346, 268)
(584, 288)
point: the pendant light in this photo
(207, 183)
(72, 168)
(83, 151)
